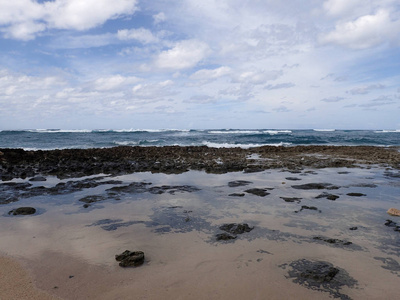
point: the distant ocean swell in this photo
(45, 139)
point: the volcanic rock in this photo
(130, 258)
(22, 211)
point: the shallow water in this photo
(175, 225)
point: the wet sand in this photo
(68, 245)
(16, 282)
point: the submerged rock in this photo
(231, 230)
(237, 195)
(327, 196)
(225, 237)
(315, 186)
(38, 178)
(303, 207)
(130, 258)
(291, 199)
(259, 192)
(320, 276)
(238, 183)
(236, 228)
(356, 194)
(390, 223)
(333, 241)
(22, 211)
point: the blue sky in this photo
(113, 64)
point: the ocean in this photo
(47, 139)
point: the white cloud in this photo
(366, 89)
(24, 19)
(340, 7)
(185, 54)
(256, 76)
(142, 35)
(153, 91)
(159, 18)
(113, 82)
(206, 74)
(332, 99)
(365, 32)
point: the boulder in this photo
(22, 211)
(130, 258)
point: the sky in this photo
(190, 64)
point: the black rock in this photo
(303, 207)
(332, 241)
(225, 237)
(258, 192)
(392, 224)
(236, 228)
(38, 178)
(238, 183)
(292, 178)
(356, 194)
(327, 196)
(315, 186)
(353, 228)
(320, 272)
(130, 258)
(320, 276)
(237, 195)
(22, 211)
(291, 199)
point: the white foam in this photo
(243, 146)
(235, 132)
(324, 130)
(60, 130)
(388, 131)
(274, 132)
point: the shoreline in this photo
(66, 163)
(307, 205)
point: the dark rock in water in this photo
(332, 241)
(225, 237)
(390, 264)
(353, 228)
(86, 205)
(238, 183)
(320, 276)
(390, 223)
(38, 178)
(315, 186)
(291, 199)
(292, 178)
(22, 211)
(130, 258)
(237, 195)
(303, 207)
(356, 194)
(92, 199)
(320, 272)
(236, 228)
(327, 196)
(258, 192)
(253, 169)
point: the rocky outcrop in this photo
(67, 163)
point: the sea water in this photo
(46, 139)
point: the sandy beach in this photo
(316, 219)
